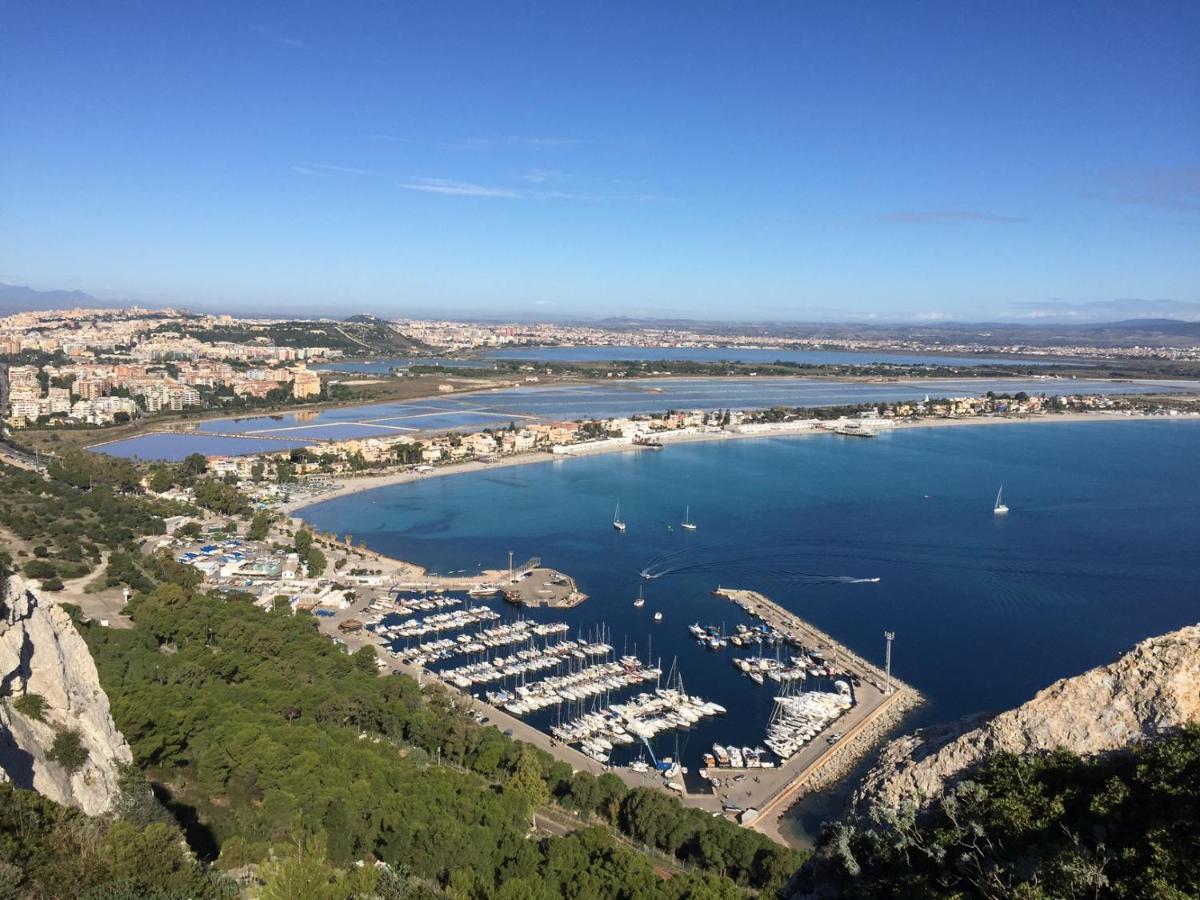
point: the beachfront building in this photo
(305, 383)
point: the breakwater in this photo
(876, 712)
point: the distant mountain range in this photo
(1129, 322)
(16, 298)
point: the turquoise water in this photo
(1098, 552)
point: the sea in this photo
(1097, 553)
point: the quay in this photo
(880, 702)
(536, 586)
(762, 607)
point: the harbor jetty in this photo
(761, 607)
(881, 701)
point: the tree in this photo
(194, 464)
(260, 525)
(303, 541)
(316, 562)
(526, 780)
(365, 658)
(68, 750)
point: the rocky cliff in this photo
(1152, 689)
(42, 654)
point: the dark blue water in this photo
(497, 408)
(1098, 552)
(753, 355)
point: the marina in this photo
(581, 700)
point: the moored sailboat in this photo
(687, 523)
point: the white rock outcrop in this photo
(1151, 690)
(42, 653)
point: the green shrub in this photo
(40, 569)
(68, 750)
(32, 706)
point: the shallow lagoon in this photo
(497, 408)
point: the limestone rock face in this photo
(1152, 689)
(42, 653)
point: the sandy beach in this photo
(371, 482)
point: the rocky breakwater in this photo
(1149, 691)
(56, 732)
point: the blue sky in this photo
(715, 160)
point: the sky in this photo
(795, 161)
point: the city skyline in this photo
(931, 164)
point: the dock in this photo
(879, 704)
(541, 586)
(764, 608)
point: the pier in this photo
(880, 701)
(762, 607)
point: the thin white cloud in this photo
(330, 169)
(277, 38)
(544, 143)
(945, 216)
(456, 188)
(1104, 310)
(542, 176)
(483, 143)
(1173, 189)
(539, 181)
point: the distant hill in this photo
(355, 336)
(17, 298)
(1134, 323)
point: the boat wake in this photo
(697, 560)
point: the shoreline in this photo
(373, 482)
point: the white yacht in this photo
(688, 524)
(641, 598)
(1000, 508)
